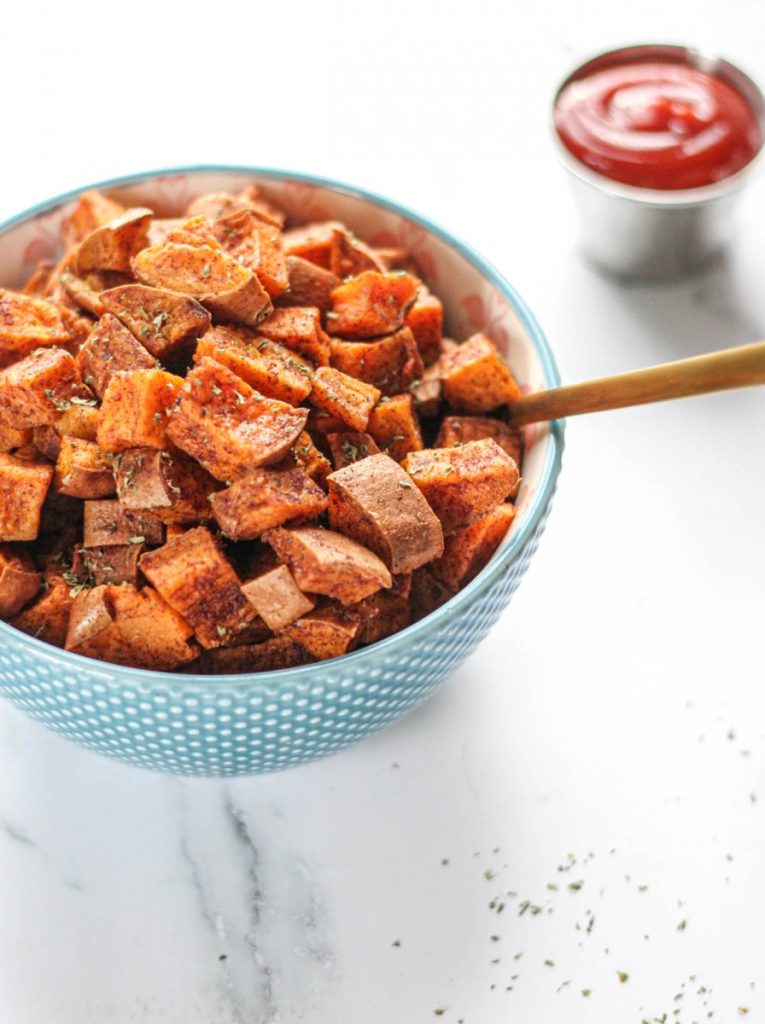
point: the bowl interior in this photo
(475, 297)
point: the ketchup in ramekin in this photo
(657, 125)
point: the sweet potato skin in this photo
(309, 285)
(338, 394)
(265, 365)
(371, 304)
(375, 502)
(475, 378)
(275, 653)
(23, 487)
(83, 470)
(19, 580)
(265, 498)
(37, 389)
(324, 562)
(112, 245)
(227, 426)
(328, 631)
(165, 486)
(165, 323)
(463, 484)
(192, 575)
(391, 364)
(276, 597)
(136, 408)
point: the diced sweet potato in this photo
(40, 278)
(83, 470)
(11, 438)
(79, 327)
(23, 486)
(47, 617)
(117, 564)
(425, 319)
(427, 595)
(376, 503)
(135, 409)
(467, 551)
(324, 562)
(276, 653)
(257, 245)
(108, 524)
(252, 196)
(193, 576)
(112, 245)
(321, 424)
(91, 210)
(60, 529)
(265, 498)
(266, 365)
(306, 456)
(277, 598)
(395, 258)
(349, 447)
(227, 288)
(213, 205)
(371, 304)
(171, 487)
(350, 256)
(391, 364)
(385, 613)
(458, 430)
(227, 426)
(349, 399)
(79, 421)
(309, 285)
(463, 484)
(19, 580)
(129, 627)
(393, 423)
(163, 322)
(27, 323)
(426, 391)
(193, 231)
(475, 378)
(81, 292)
(313, 242)
(326, 632)
(38, 388)
(110, 348)
(47, 441)
(298, 328)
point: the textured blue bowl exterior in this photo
(245, 724)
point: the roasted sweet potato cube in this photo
(108, 524)
(252, 196)
(115, 564)
(426, 392)
(47, 441)
(83, 470)
(391, 364)
(375, 502)
(371, 304)
(427, 595)
(313, 242)
(394, 424)
(227, 426)
(385, 613)
(223, 285)
(23, 486)
(321, 424)
(11, 438)
(463, 484)
(257, 245)
(193, 576)
(169, 486)
(349, 399)
(475, 377)
(324, 562)
(38, 388)
(79, 421)
(81, 292)
(327, 632)
(40, 279)
(112, 245)
(129, 627)
(47, 617)
(277, 598)
(350, 256)
(467, 551)
(266, 365)
(163, 322)
(298, 328)
(19, 580)
(349, 447)
(425, 320)
(213, 205)
(91, 210)
(79, 327)
(60, 529)
(306, 456)
(309, 285)
(458, 430)
(265, 498)
(135, 409)
(193, 231)
(393, 257)
(278, 652)
(109, 349)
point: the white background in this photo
(619, 704)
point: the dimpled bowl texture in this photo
(239, 724)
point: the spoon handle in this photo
(717, 371)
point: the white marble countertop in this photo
(587, 796)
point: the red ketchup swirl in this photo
(657, 125)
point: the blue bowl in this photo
(261, 722)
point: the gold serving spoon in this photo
(718, 371)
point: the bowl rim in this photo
(268, 680)
(696, 57)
